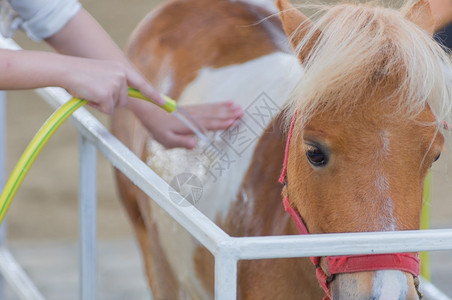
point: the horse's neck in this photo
(259, 209)
(259, 212)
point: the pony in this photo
(350, 106)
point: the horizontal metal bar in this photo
(340, 244)
(17, 278)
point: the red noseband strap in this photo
(406, 262)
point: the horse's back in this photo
(178, 39)
(201, 51)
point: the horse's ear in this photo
(296, 25)
(421, 15)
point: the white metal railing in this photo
(226, 249)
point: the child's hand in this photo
(171, 132)
(105, 83)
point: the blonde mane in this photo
(365, 49)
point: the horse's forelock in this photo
(366, 50)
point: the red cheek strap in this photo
(406, 262)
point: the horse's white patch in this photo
(385, 135)
(382, 184)
(383, 204)
(388, 222)
(389, 284)
(246, 196)
(386, 213)
(383, 147)
(261, 86)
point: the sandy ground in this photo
(45, 208)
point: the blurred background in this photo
(43, 219)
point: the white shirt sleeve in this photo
(39, 18)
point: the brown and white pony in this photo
(367, 90)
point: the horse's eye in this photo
(316, 156)
(437, 157)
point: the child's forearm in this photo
(102, 82)
(32, 69)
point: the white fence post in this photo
(225, 274)
(87, 219)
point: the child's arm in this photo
(104, 83)
(82, 36)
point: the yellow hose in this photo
(32, 151)
(42, 137)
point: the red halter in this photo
(406, 262)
